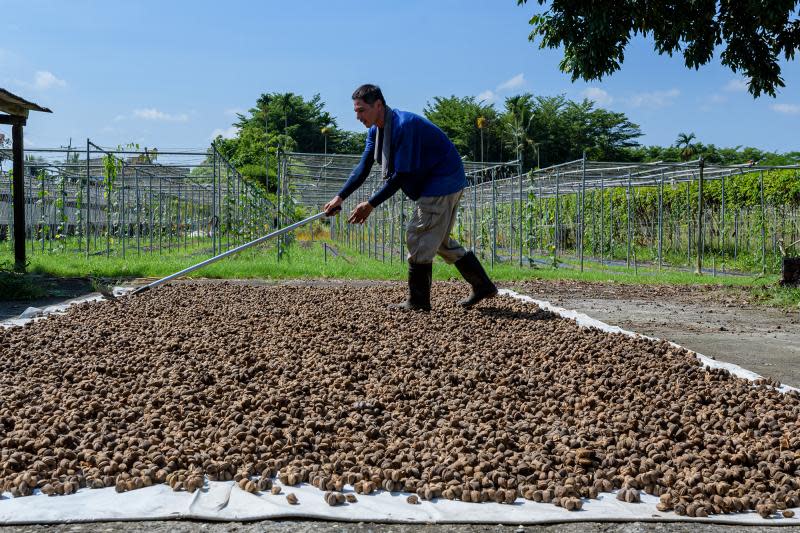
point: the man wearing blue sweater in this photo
(417, 157)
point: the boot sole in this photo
(401, 307)
(480, 298)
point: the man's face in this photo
(367, 114)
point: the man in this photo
(418, 158)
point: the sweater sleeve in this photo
(361, 171)
(390, 186)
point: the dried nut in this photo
(788, 513)
(350, 497)
(546, 415)
(291, 498)
(572, 504)
(334, 498)
(413, 499)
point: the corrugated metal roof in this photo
(16, 105)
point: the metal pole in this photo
(520, 219)
(557, 230)
(494, 219)
(214, 205)
(628, 201)
(602, 219)
(661, 220)
(123, 226)
(583, 205)
(722, 226)
(763, 224)
(138, 214)
(88, 195)
(160, 215)
(41, 178)
(699, 269)
(688, 224)
(611, 222)
(150, 210)
(543, 218)
(474, 211)
(230, 252)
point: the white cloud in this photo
(787, 109)
(598, 95)
(654, 99)
(487, 96)
(513, 83)
(45, 80)
(228, 133)
(152, 113)
(738, 85)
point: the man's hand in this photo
(360, 213)
(333, 207)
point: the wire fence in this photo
(614, 214)
(122, 201)
(100, 201)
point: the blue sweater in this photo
(423, 161)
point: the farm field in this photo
(525, 267)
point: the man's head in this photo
(369, 105)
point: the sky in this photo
(174, 74)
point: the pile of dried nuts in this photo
(325, 385)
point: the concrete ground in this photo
(334, 527)
(723, 323)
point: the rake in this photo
(106, 292)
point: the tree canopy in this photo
(754, 35)
(539, 130)
(288, 122)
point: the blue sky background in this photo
(173, 74)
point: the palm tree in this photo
(519, 111)
(684, 142)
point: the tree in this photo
(753, 34)
(687, 148)
(285, 122)
(458, 118)
(519, 118)
(564, 129)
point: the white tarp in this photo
(224, 501)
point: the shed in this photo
(14, 111)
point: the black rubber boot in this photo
(473, 272)
(419, 288)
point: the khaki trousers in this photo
(428, 231)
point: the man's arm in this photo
(390, 186)
(362, 170)
(362, 210)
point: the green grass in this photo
(308, 261)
